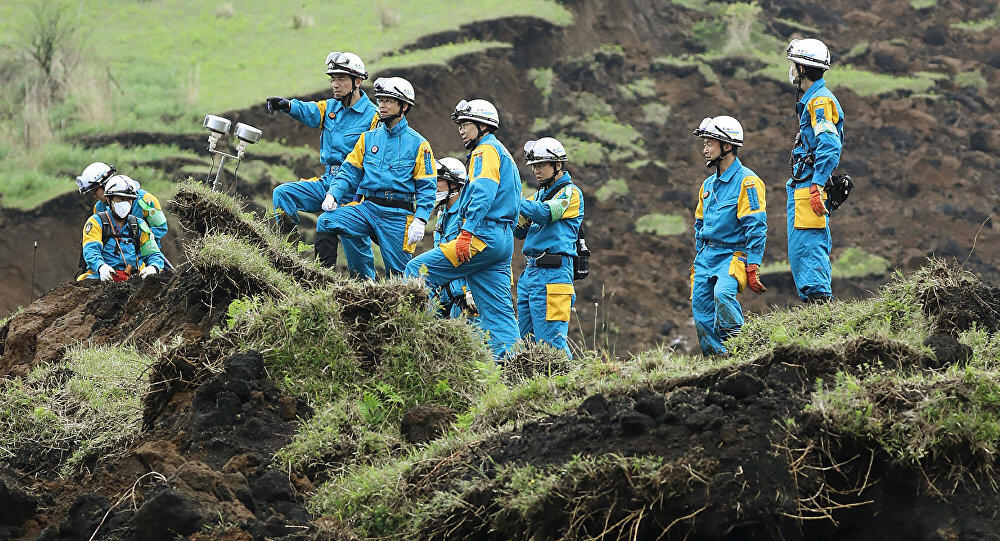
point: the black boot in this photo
(326, 249)
(288, 230)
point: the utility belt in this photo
(837, 187)
(545, 261)
(392, 199)
(724, 245)
(497, 223)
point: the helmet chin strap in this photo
(390, 118)
(717, 162)
(479, 137)
(346, 100)
(548, 182)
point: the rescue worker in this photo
(550, 225)
(145, 206)
(455, 297)
(488, 207)
(116, 243)
(392, 168)
(730, 230)
(92, 179)
(341, 122)
(814, 157)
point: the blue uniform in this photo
(147, 207)
(120, 252)
(449, 225)
(339, 128)
(391, 168)
(815, 156)
(730, 230)
(545, 296)
(488, 209)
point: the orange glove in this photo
(462, 245)
(816, 201)
(753, 282)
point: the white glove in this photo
(329, 203)
(106, 272)
(148, 270)
(416, 231)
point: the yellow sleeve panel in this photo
(374, 124)
(322, 112)
(573, 210)
(486, 163)
(699, 212)
(824, 105)
(751, 199)
(92, 231)
(357, 156)
(424, 165)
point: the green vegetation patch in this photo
(583, 152)
(980, 25)
(972, 78)
(922, 4)
(613, 187)
(855, 262)
(661, 224)
(542, 79)
(82, 411)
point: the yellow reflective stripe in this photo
(699, 212)
(573, 210)
(374, 123)
(488, 163)
(424, 164)
(92, 231)
(745, 206)
(357, 156)
(322, 112)
(826, 105)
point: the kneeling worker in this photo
(730, 228)
(115, 242)
(550, 225)
(454, 296)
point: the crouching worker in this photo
(455, 297)
(116, 243)
(549, 224)
(730, 230)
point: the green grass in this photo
(973, 79)
(980, 25)
(87, 409)
(643, 88)
(542, 79)
(655, 113)
(922, 4)
(853, 262)
(661, 224)
(611, 188)
(438, 56)
(583, 152)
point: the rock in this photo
(167, 515)
(635, 423)
(16, 505)
(247, 365)
(653, 406)
(272, 486)
(709, 418)
(594, 405)
(947, 350)
(287, 408)
(426, 422)
(722, 400)
(740, 385)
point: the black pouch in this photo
(837, 188)
(548, 261)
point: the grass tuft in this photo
(661, 224)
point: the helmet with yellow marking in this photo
(725, 129)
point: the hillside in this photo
(251, 395)
(624, 91)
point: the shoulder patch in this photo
(88, 227)
(374, 149)
(477, 165)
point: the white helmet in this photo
(94, 176)
(121, 186)
(480, 111)
(544, 150)
(396, 88)
(452, 170)
(725, 129)
(808, 52)
(349, 63)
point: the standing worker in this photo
(341, 122)
(550, 225)
(814, 157)
(116, 243)
(484, 248)
(392, 168)
(730, 230)
(455, 297)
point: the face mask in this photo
(440, 196)
(792, 76)
(122, 208)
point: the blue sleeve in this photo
(698, 224)
(828, 150)
(155, 259)
(482, 193)
(536, 211)
(307, 112)
(347, 181)
(754, 228)
(93, 256)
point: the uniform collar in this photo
(559, 183)
(816, 86)
(398, 128)
(728, 174)
(488, 138)
(359, 106)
